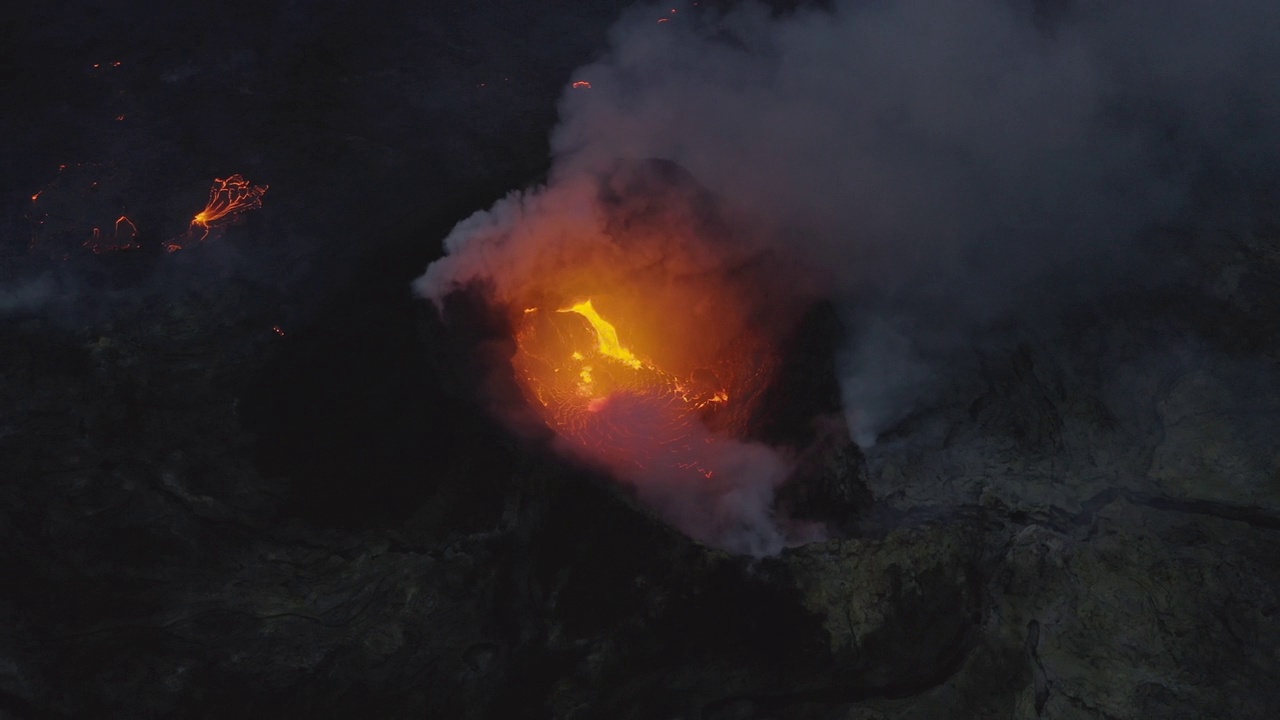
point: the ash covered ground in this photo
(259, 476)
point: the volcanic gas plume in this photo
(645, 339)
(946, 169)
(938, 171)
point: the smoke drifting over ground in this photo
(26, 295)
(941, 163)
(937, 167)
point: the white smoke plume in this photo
(939, 166)
(944, 164)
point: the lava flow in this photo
(228, 198)
(607, 389)
(83, 191)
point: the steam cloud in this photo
(939, 166)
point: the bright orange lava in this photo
(636, 391)
(228, 198)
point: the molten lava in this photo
(631, 399)
(607, 335)
(228, 198)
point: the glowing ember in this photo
(74, 211)
(581, 85)
(228, 198)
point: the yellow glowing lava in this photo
(642, 388)
(606, 334)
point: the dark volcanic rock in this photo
(202, 517)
